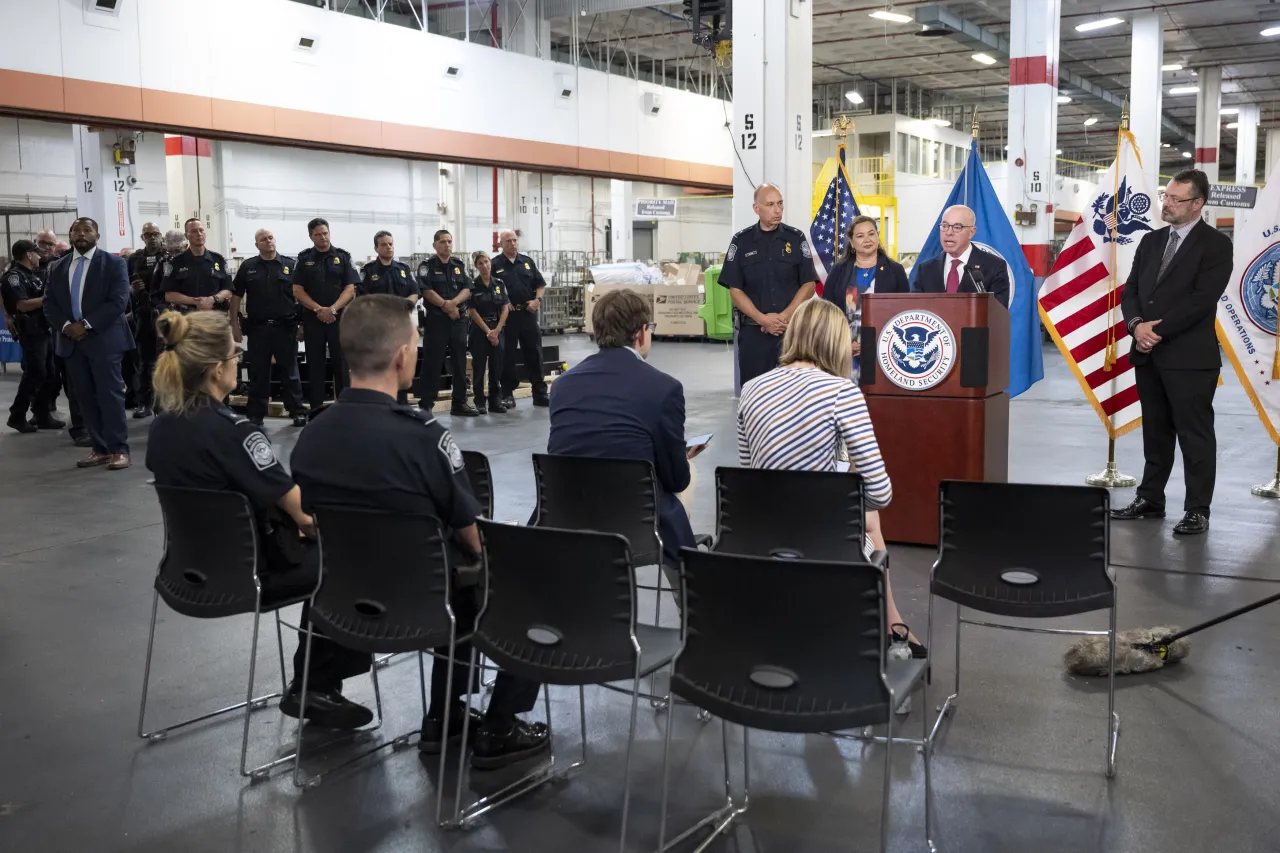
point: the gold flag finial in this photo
(841, 126)
(974, 129)
(1124, 115)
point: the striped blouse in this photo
(797, 417)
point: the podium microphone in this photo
(975, 276)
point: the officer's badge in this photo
(497, 289)
(402, 273)
(526, 266)
(373, 277)
(260, 451)
(457, 271)
(286, 270)
(337, 261)
(788, 248)
(449, 448)
(216, 267)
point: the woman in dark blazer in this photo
(864, 267)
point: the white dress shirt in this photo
(71, 277)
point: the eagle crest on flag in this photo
(1123, 214)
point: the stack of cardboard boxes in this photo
(675, 302)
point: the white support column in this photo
(773, 105)
(1209, 128)
(622, 211)
(1146, 91)
(456, 206)
(189, 173)
(1271, 165)
(1246, 155)
(104, 190)
(1033, 123)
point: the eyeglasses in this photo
(949, 228)
(652, 327)
(47, 243)
(1164, 196)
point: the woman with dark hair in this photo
(198, 443)
(863, 268)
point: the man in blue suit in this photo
(614, 405)
(86, 301)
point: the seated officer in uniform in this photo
(272, 323)
(368, 452)
(769, 272)
(445, 287)
(387, 275)
(198, 443)
(197, 279)
(324, 281)
(489, 310)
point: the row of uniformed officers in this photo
(492, 314)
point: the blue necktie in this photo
(77, 280)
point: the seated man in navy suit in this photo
(962, 267)
(85, 301)
(614, 405)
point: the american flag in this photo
(1080, 298)
(831, 219)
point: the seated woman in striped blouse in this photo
(798, 415)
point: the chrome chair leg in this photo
(888, 778)
(298, 781)
(631, 739)
(146, 672)
(248, 696)
(926, 751)
(1113, 719)
(284, 679)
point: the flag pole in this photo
(973, 130)
(1272, 489)
(1110, 477)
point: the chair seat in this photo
(1003, 599)
(657, 646)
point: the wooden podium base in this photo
(950, 438)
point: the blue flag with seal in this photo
(995, 234)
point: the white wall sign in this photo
(655, 208)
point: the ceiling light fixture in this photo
(887, 14)
(1101, 23)
(1271, 31)
(1186, 154)
(1184, 90)
(1232, 125)
(1090, 121)
(853, 97)
(1172, 67)
(984, 59)
(1064, 99)
(1229, 111)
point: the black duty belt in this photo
(283, 321)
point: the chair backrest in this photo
(807, 515)
(1020, 549)
(560, 606)
(606, 495)
(384, 580)
(210, 563)
(783, 645)
(481, 476)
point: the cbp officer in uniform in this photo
(387, 275)
(198, 443)
(142, 270)
(367, 452)
(22, 290)
(324, 281)
(489, 311)
(519, 276)
(272, 324)
(445, 287)
(47, 245)
(769, 272)
(197, 279)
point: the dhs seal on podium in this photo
(916, 350)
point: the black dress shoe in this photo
(431, 740)
(49, 422)
(497, 406)
(142, 412)
(543, 401)
(299, 419)
(327, 709)
(481, 408)
(1192, 523)
(82, 441)
(20, 424)
(500, 749)
(466, 410)
(1140, 508)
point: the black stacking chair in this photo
(209, 571)
(1028, 552)
(787, 646)
(481, 477)
(804, 515)
(560, 608)
(385, 586)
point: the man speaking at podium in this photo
(963, 267)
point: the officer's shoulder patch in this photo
(168, 267)
(804, 248)
(260, 451)
(733, 251)
(13, 278)
(449, 448)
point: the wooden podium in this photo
(934, 368)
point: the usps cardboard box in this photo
(595, 291)
(675, 309)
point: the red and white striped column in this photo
(1209, 128)
(1033, 124)
(189, 172)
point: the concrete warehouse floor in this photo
(1018, 769)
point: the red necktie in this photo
(953, 277)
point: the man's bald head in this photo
(956, 229)
(767, 204)
(46, 243)
(509, 242)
